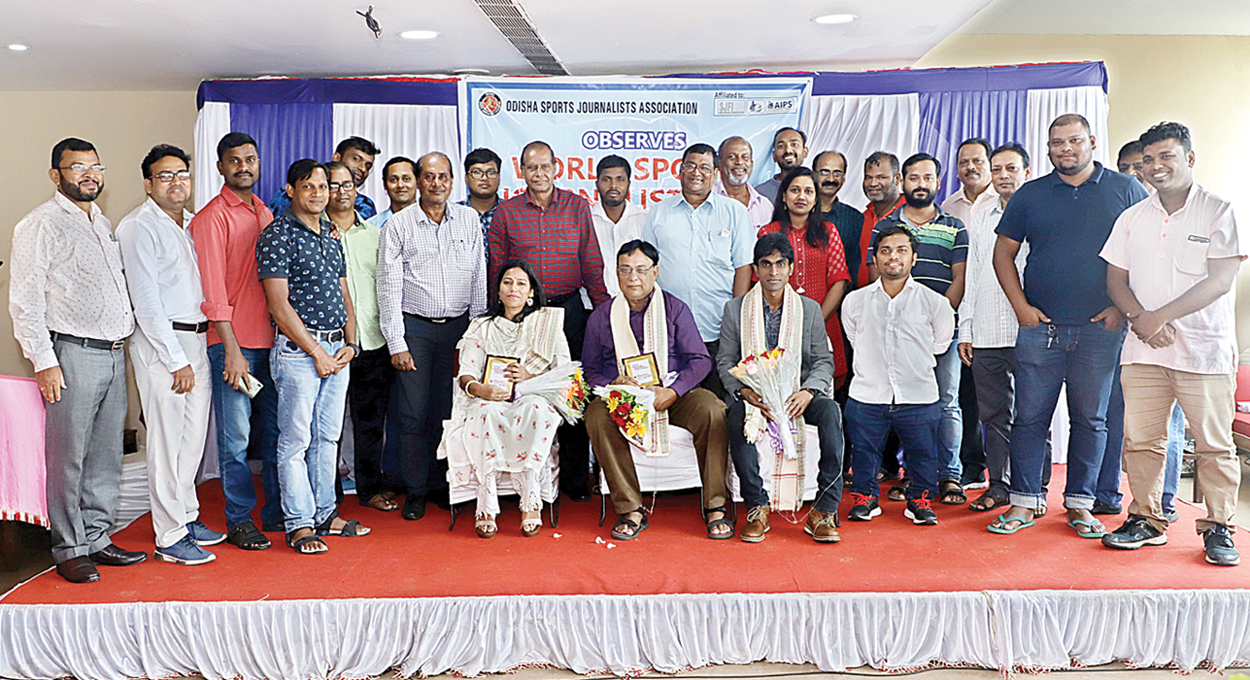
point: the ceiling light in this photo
(18, 47)
(830, 19)
(471, 72)
(419, 35)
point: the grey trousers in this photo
(83, 450)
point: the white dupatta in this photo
(787, 475)
(654, 340)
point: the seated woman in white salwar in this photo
(488, 433)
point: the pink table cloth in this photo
(22, 473)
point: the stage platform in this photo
(416, 597)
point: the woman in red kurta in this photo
(820, 262)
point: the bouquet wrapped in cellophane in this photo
(631, 408)
(773, 375)
(563, 386)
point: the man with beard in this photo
(170, 353)
(617, 221)
(734, 161)
(431, 281)
(239, 339)
(1070, 332)
(882, 180)
(71, 315)
(358, 154)
(400, 176)
(941, 255)
(789, 152)
(976, 191)
(830, 169)
(481, 176)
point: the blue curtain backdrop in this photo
(284, 134)
(948, 118)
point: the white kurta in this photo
(483, 438)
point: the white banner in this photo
(647, 121)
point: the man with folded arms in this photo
(239, 339)
(300, 263)
(71, 315)
(431, 281)
(897, 326)
(1171, 264)
(771, 315)
(170, 353)
(639, 322)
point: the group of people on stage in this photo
(421, 320)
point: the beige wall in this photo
(122, 125)
(1201, 81)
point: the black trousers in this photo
(421, 401)
(574, 441)
(368, 396)
(972, 448)
(712, 382)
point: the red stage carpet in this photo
(403, 559)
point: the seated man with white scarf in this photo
(645, 317)
(773, 315)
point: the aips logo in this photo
(489, 104)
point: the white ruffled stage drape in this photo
(295, 640)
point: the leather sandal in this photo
(627, 529)
(530, 526)
(350, 529)
(298, 543)
(722, 521)
(485, 527)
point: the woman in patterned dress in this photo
(488, 432)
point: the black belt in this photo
(442, 320)
(112, 345)
(201, 327)
(327, 336)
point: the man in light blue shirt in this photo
(400, 176)
(708, 240)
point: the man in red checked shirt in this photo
(552, 230)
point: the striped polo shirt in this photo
(942, 243)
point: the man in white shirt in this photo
(976, 190)
(617, 221)
(1172, 261)
(71, 316)
(897, 327)
(400, 176)
(170, 353)
(987, 325)
(735, 162)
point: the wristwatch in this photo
(355, 347)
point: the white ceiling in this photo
(1113, 17)
(173, 44)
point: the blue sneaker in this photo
(185, 551)
(203, 535)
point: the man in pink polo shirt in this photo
(239, 339)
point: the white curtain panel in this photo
(1009, 631)
(401, 130)
(210, 126)
(857, 126)
(1044, 106)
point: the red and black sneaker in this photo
(865, 508)
(920, 510)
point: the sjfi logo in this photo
(489, 104)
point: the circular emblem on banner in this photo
(489, 103)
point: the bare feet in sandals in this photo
(306, 542)
(719, 527)
(990, 500)
(531, 523)
(485, 527)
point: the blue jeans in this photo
(822, 412)
(233, 410)
(917, 428)
(1176, 450)
(1084, 357)
(310, 422)
(951, 427)
(1112, 472)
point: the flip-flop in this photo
(1002, 522)
(1089, 531)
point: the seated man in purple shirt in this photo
(638, 324)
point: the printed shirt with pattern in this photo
(313, 266)
(943, 243)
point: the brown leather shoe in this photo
(78, 570)
(821, 527)
(756, 528)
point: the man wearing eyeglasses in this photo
(830, 169)
(709, 241)
(71, 316)
(481, 174)
(552, 229)
(170, 353)
(358, 154)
